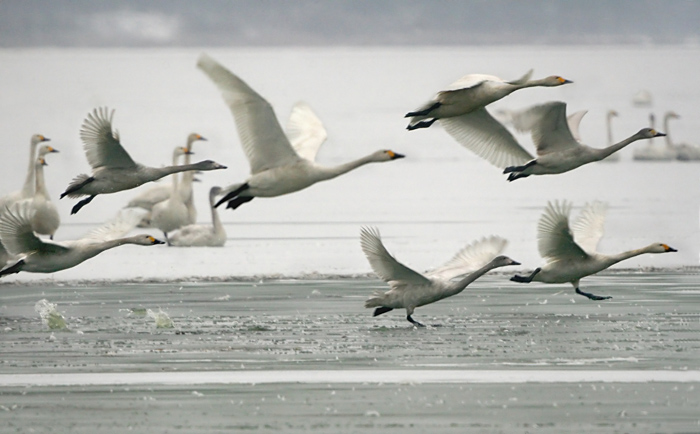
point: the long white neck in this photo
(604, 152)
(159, 172)
(29, 183)
(215, 220)
(669, 142)
(609, 125)
(332, 172)
(614, 259)
(467, 280)
(40, 182)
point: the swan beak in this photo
(395, 155)
(188, 152)
(44, 139)
(52, 149)
(669, 248)
(659, 134)
(515, 263)
(43, 162)
(156, 241)
(201, 138)
(221, 166)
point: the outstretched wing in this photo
(126, 220)
(479, 132)
(101, 144)
(472, 257)
(16, 231)
(262, 138)
(305, 131)
(588, 227)
(555, 241)
(550, 129)
(574, 122)
(385, 265)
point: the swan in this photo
(569, 251)
(112, 168)
(29, 184)
(45, 220)
(37, 256)
(410, 289)
(171, 213)
(574, 122)
(276, 167)
(470, 94)
(684, 151)
(557, 149)
(185, 189)
(213, 235)
(651, 152)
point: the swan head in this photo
(193, 137)
(660, 248)
(38, 138)
(503, 261)
(215, 191)
(613, 113)
(555, 80)
(208, 165)
(145, 240)
(46, 149)
(41, 162)
(386, 155)
(648, 133)
(672, 115)
(180, 151)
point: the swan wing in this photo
(574, 121)
(262, 138)
(550, 129)
(479, 132)
(471, 80)
(588, 228)
(305, 131)
(101, 143)
(16, 231)
(472, 257)
(555, 240)
(126, 220)
(385, 265)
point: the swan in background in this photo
(171, 213)
(213, 235)
(45, 220)
(651, 152)
(276, 168)
(186, 191)
(410, 289)
(27, 190)
(112, 168)
(470, 94)
(557, 149)
(569, 251)
(684, 151)
(574, 121)
(31, 254)
(608, 123)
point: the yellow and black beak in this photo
(201, 138)
(44, 139)
(188, 152)
(156, 241)
(658, 133)
(52, 149)
(669, 248)
(395, 155)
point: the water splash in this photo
(50, 316)
(161, 318)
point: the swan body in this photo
(29, 185)
(171, 213)
(276, 167)
(570, 252)
(213, 235)
(113, 169)
(37, 256)
(472, 92)
(557, 149)
(410, 289)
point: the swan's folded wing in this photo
(101, 144)
(305, 131)
(471, 258)
(262, 138)
(126, 220)
(555, 241)
(385, 265)
(588, 228)
(479, 132)
(16, 231)
(550, 129)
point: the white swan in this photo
(29, 183)
(213, 235)
(276, 168)
(570, 251)
(557, 149)
(683, 151)
(112, 168)
(652, 152)
(410, 289)
(470, 94)
(45, 220)
(37, 256)
(574, 122)
(171, 214)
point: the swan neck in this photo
(614, 259)
(29, 183)
(605, 152)
(332, 172)
(669, 142)
(215, 220)
(40, 181)
(610, 134)
(467, 280)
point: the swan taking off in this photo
(276, 167)
(213, 235)
(112, 168)
(472, 93)
(37, 256)
(570, 251)
(557, 149)
(410, 289)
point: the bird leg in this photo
(380, 310)
(81, 204)
(235, 203)
(421, 124)
(233, 195)
(414, 322)
(423, 112)
(525, 279)
(593, 296)
(14, 268)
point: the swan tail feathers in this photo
(76, 184)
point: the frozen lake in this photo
(269, 332)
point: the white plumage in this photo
(213, 235)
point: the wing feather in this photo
(555, 240)
(472, 257)
(385, 265)
(16, 231)
(550, 129)
(101, 144)
(588, 228)
(305, 131)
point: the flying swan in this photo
(113, 169)
(570, 251)
(276, 167)
(410, 289)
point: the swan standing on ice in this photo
(112, 168)
(410, 289)
(213, 235)
(683, 151)
(557, 149)
(186, 192)
(46, 219)
(651, 152)
(461, 105)
(570, 251)
(171, 214)
(276, 168)
(27, 190)
(37, 256)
